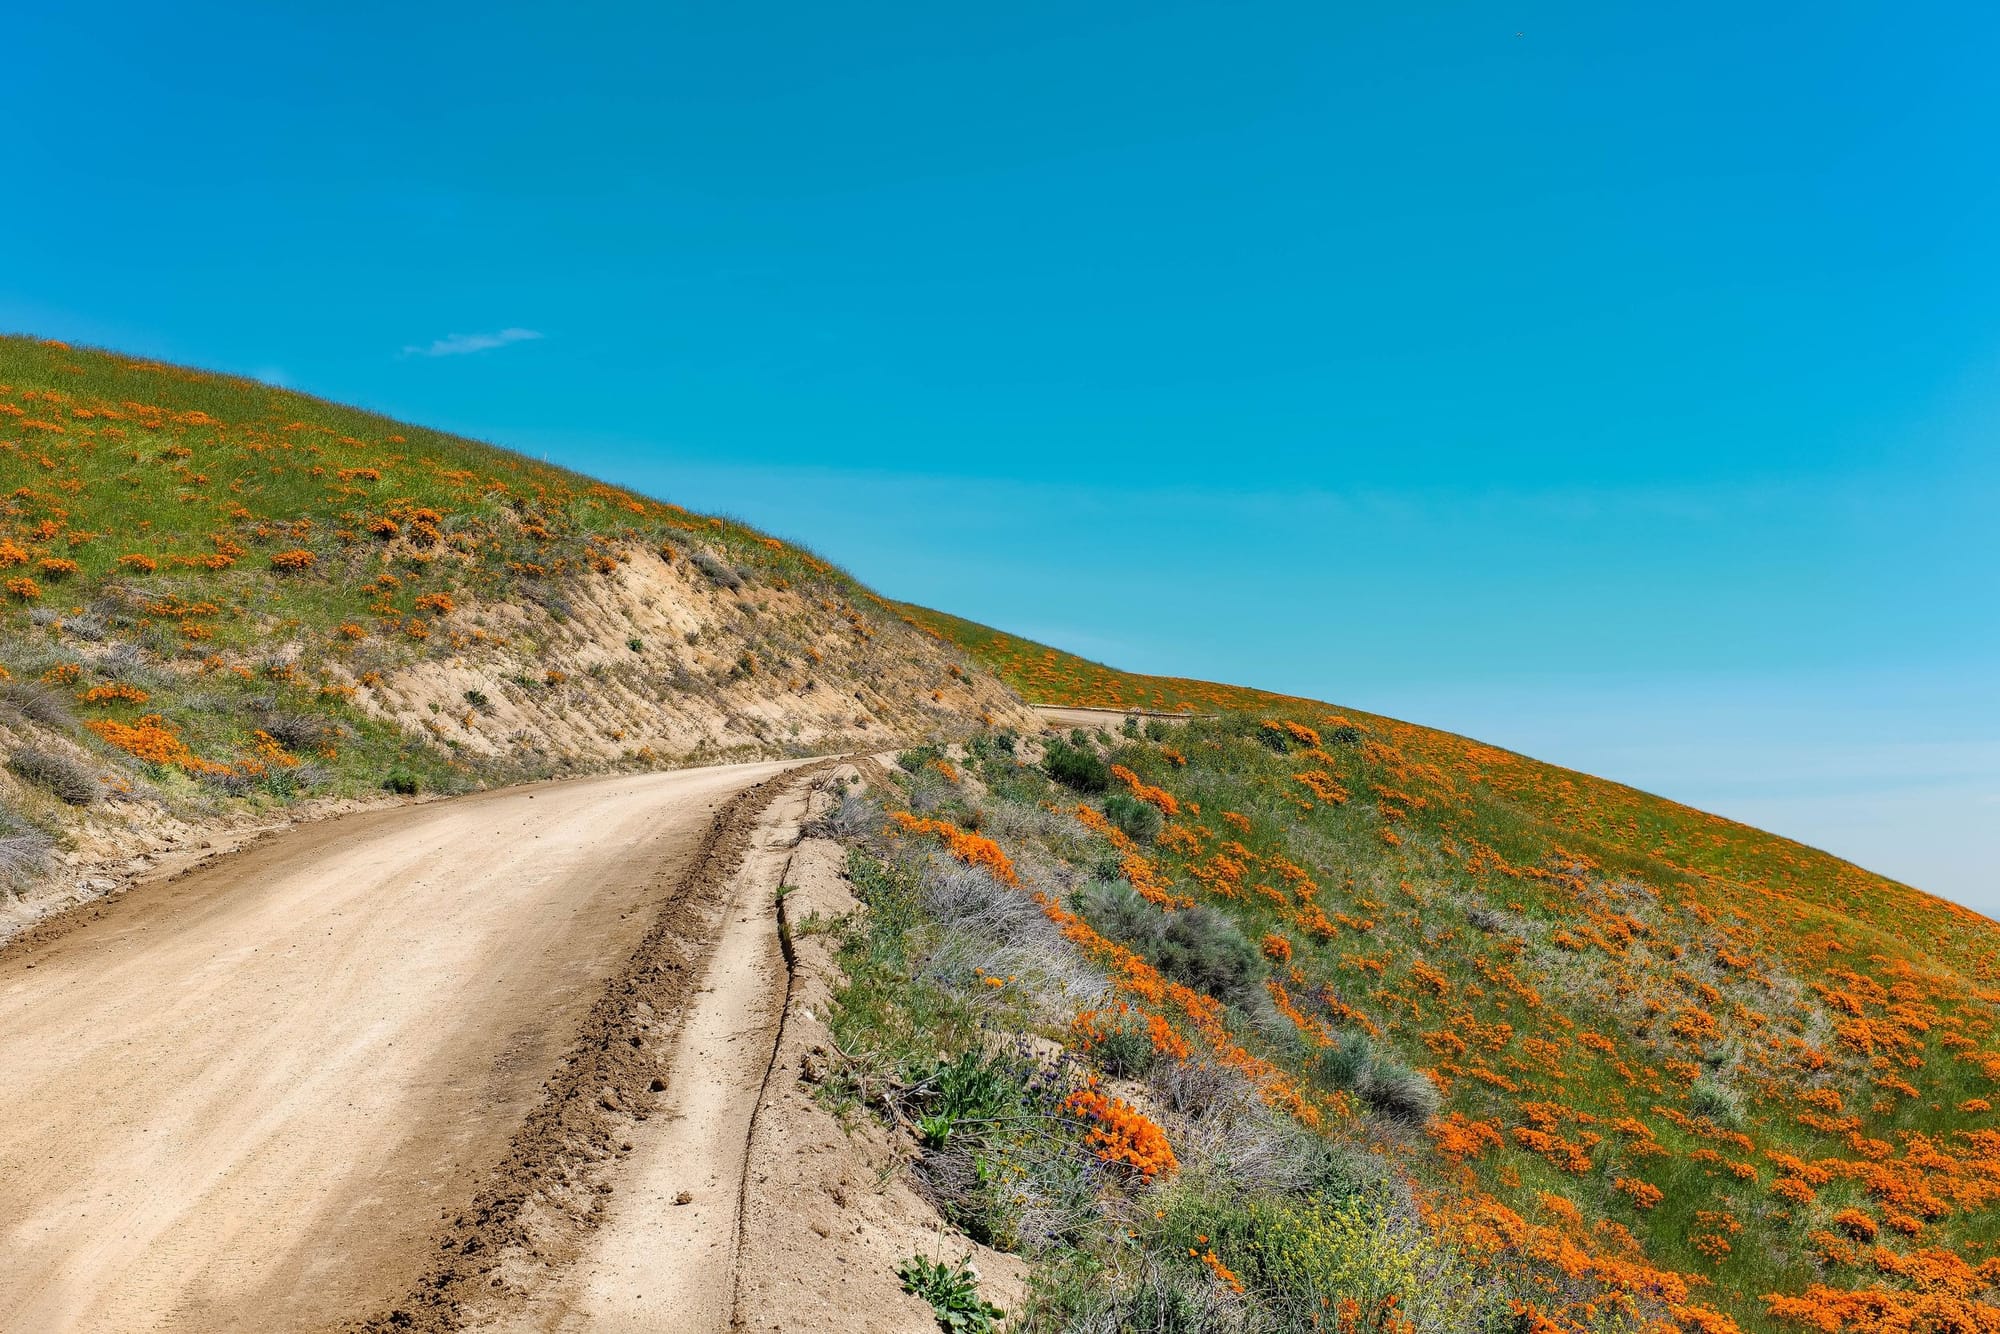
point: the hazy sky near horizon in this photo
(1617, 384)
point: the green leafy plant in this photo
(973, 1088)
(953, 1293)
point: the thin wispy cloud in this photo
(459, 345)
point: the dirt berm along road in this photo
(253, 1098)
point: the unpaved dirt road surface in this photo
(663, 1260)
(1063, 715)
(244, 1099)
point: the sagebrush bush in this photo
(929, 791)
(1115, 910)
(126, 661)
(1197, 947)
(24, 850)
(1377, 1076)
(1340, 1065)
(1138, 820)
(1076, 766)
(1203, 949)
(1717, 1101)
(56, 773)
(717, 569)
(38, 704)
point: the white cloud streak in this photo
(459, 345)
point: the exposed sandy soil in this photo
(535, 1060)
(720, 674)
(255, 1097)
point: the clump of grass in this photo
(296, 731)
(717, 570)
(59, 775)
(1123, 1048)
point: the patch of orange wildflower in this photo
(154, 740)
(1153, 796)
(972, 849)
(1120, 1134)
(116, 691)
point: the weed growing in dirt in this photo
(953, 1293)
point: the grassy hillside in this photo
(1605, 1062)
(1668, 1049)
(217, 596)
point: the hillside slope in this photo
(223, 598)
(1641, 1067)
(1669, 1048)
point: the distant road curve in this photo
(243, 1100)
(1077, 716)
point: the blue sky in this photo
(1614, 383)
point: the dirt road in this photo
(1068, 715)
(244, 1100)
